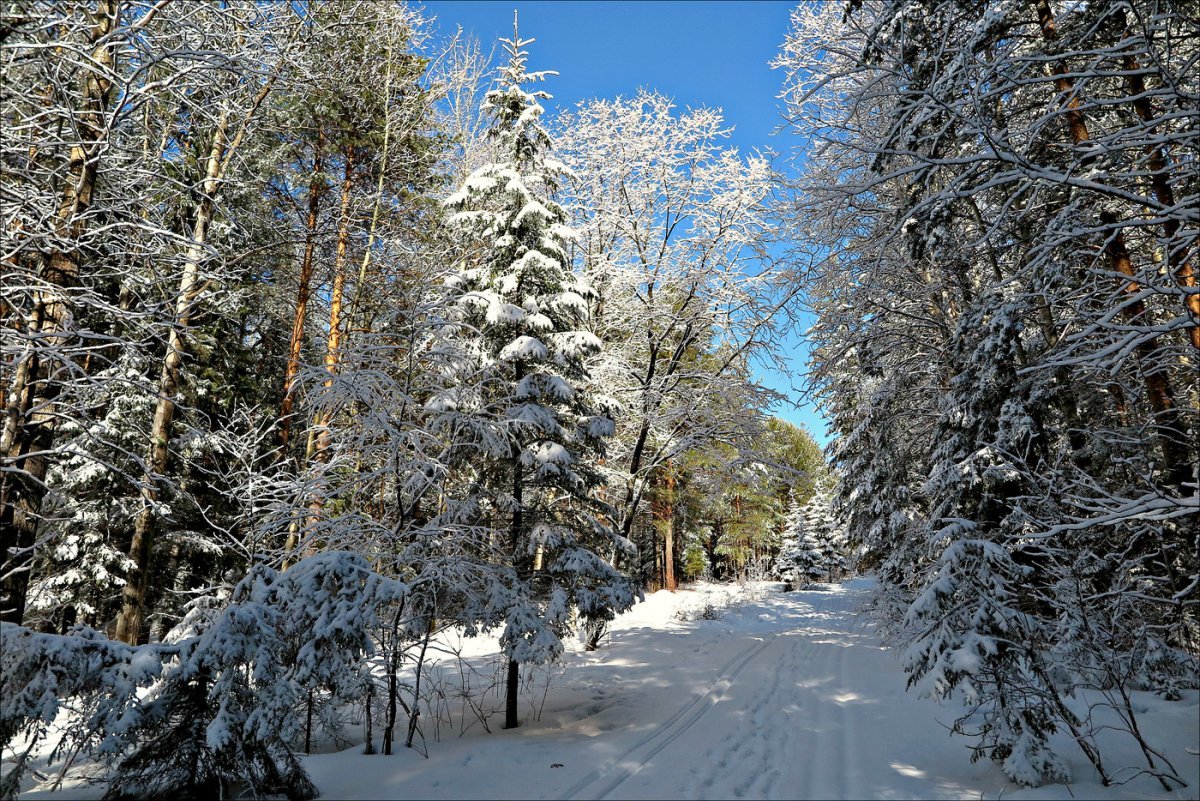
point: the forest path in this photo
(795, 714)
(784, 696)
(603, 781)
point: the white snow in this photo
(571, 301)
(785, 695)
(536, 260)
(563, 231)
(500, 312)
(550, 453)
(577, 343)
(526, 348)
(788, 696)
(531, 209)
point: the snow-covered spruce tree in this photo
(981, 618)
(226, 710)
(787, 562)
(867, 380)
(801, 559)
(79, 576)
(42, 675)
(540, 433)
(972, 635)
(823, 528)
(216, 706)
(56, 142)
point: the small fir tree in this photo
(826, 532)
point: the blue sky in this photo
(699, 53)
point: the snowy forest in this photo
(361, 404)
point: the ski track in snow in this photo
(786, 724)
(849, 730)
(773, 728)
(602, 782)
(787, 696)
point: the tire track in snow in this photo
(636, 757)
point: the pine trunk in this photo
(1159, 394)
(303, 294)
(1179, 254)
(320, 440)
(1169, 429)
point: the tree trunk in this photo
(1169, 433)
(415, 713)
(308, 723)
(303, 293)
(664, 514)
(336, 300)
(393, 699)
(519, 561)
(710, 547)
(633, 494)
(368, 728)
(319, 440)
(1169, 428)
(30, 413)
(512, 684)
(356, 312)
(130, 621)
(1179, 254)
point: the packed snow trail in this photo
(675, 727)
(784, 725)
(786, 696)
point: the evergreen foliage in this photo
(539, 429)
(317, 342)
(1006, 342)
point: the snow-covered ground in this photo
(786, 695)
(789, 695)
